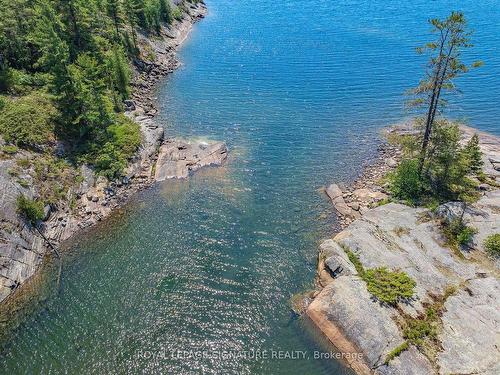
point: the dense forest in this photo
(65, 70)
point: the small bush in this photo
(123, 140)
(419, 329)
(492, 244)
(10, 149)
(28, 121)
(23, 163)
(405, 182)
(458, 233)
(31, 210)
(389, 286)
(465, 236)
(126, 135)
(177, 13)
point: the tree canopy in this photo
(73, 55)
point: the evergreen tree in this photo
(115, 12)
(473, 154)
(75, 51)
(445, 65)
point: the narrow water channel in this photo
(192, 272)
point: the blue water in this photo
(299, 90)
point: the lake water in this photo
(207, 266)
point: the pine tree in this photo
(445, 65)
(115, 12)
(473, 154)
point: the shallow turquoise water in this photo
(299, 91)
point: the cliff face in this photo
(85, 203)
(410, 239)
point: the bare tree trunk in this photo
(433, 104)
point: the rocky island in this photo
(460, 286)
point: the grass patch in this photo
(492, 244)
(381, 202)
(30, 209)
(53, 177)
(482, 177)
(423, 330)
(10, 149)
(23, 163)
(23, 183)
(355, 261)
(396, 352)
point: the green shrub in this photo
(23, 163)
(354, 259)
(28, 121)
(417, 330)
(445, 171)
(389, 286)
(31, 210)
(405, 182)
(458, 233)
(177, 13)
(19, 82)
(465, 236)
(25, 184)
(126, 135)
(10, 149)
(109, 162)
(122, 141)
(492, 244)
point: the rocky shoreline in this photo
(399, 237)
(23, 249)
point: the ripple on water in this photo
(299, 90)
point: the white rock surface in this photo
(177, 158)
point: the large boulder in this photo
(335, 194)
(177, 158)
(336, 260)
(355, 323)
